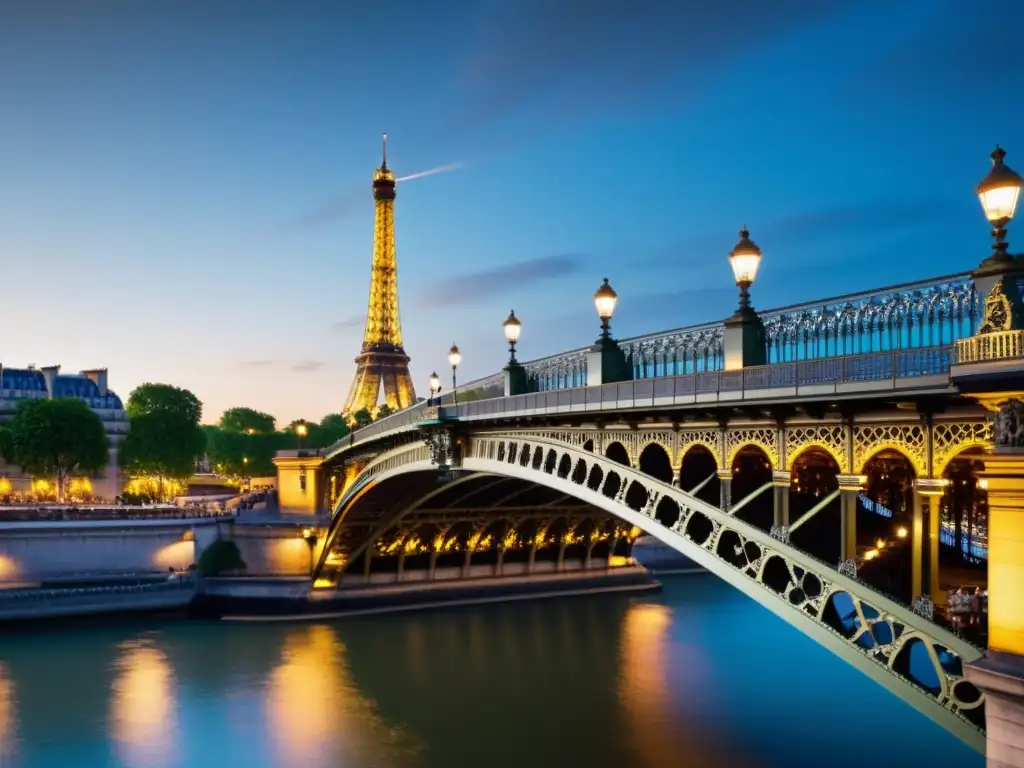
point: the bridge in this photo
(764, 447)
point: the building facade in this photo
(18, 384)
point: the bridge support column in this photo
(924, 561)
(725, 488)
(850, 487)
(781, 482)
(1001, 673)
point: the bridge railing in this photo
(767, 380)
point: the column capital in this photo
(724, 474)
(852, 483)
(931, 486)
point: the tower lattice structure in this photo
(382, 359)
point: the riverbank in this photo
(243, 600)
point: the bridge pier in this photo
(781, 481)
(1001, 673)
(725, 489)
(925, 553)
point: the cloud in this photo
(308, 366)
(489, 283)
(602, 50)
(303, 366)
(348, 323)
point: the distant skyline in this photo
(185, 185)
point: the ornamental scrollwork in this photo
(441, 446)
(780, 532)
(924, 607)
(848, 568)
(1008, 425)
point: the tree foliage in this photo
(384, 411)
(57, 438)
(150, 398)
(247, 419)
(332, 429)
(222, 556)
(361, 418)
(165, 438)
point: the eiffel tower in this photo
(382, 359)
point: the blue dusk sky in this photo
(185, 184)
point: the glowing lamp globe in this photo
(604, 299)
(435, 383)
(999, 190)
(745, 259)
(512, 328)
(454, 356)
(301, 430)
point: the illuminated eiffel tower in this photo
(382, 359)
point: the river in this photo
(697, 675)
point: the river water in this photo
(697, 675)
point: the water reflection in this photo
(143, 707)
(8, 717)
(659, 733)
(316, 716)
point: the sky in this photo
(185, 184)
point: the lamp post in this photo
(743, 341)
(515, 374)
(301, 430)
(606, 362)
(454, 358)
(604, 299)
(310, 537)
(512, 328)
(435, 387)
(998, 193)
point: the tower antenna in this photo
(384, 149)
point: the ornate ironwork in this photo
(780, 532)
(869, 630)
(1008, 425)
(442, 447)
(848, 568)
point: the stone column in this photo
(780, 523)
(925, 560)
(850, 487)
(725, 488)
(1001, 673)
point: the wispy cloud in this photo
(308, 366)
(348, 323)
(476, 286)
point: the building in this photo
(17, 384)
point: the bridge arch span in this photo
(867, 629)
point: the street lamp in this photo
(745, 258)
(512, 328)
(435, 387)
(604, 299)
(998, 193)
(300, 432)
(454, 358)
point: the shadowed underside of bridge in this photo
(518, 497)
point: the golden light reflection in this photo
(660, 732)
(178, 555)
(8, 718)
(143, 707)
(316, 714)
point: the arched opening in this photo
(417, 547)
(617, 452)
(386, 550)
(655, 462)
(452, 553)
(548, 548)
(885, 513)
(486, 552)
(578, 542)
(813, 477)
(698, 465)
(588, 446)
(752, 470)
(519, 540)
(963, 544)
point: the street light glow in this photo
(604, 299)
(745, 258)
(999, 190)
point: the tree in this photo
(58, 438)
(149, 398)
(361, 418)
(165, 440)
(332, 429)
(384, 411)
(222, 556)
(247, 420)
